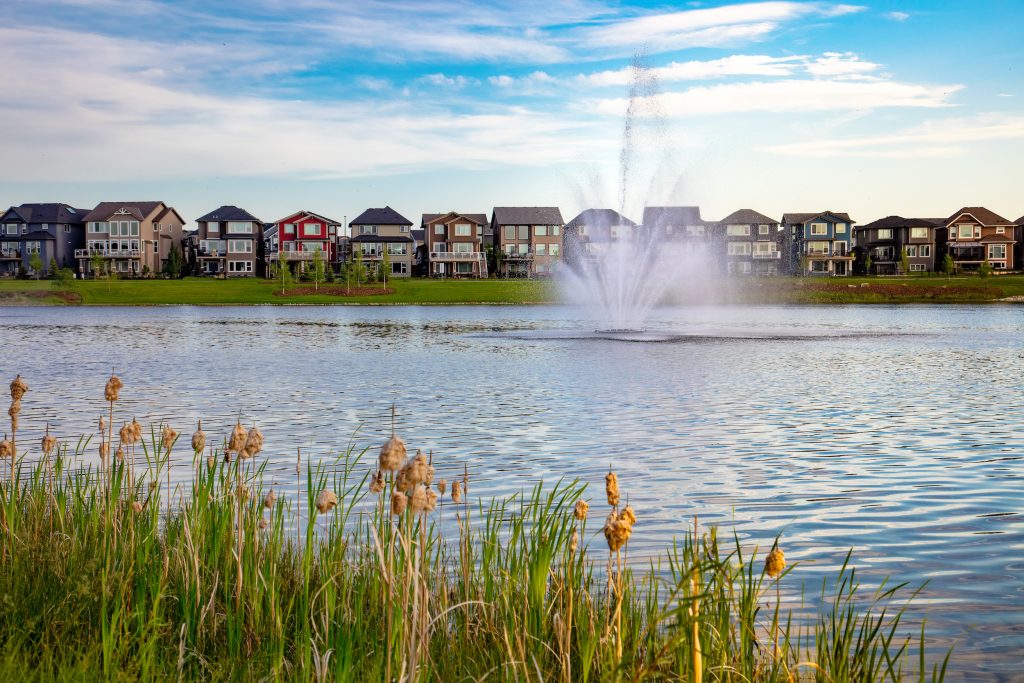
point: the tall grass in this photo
(99, 581)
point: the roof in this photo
(38, 235)
(527, 215)
(48, 213)
(418, 235)
(599, 218)
(747, 216)
(381, 238)
(104, 210)
(1020, 221)
(988, 239)
(385, 216)
(170, 209)
(898, 222)
(800, 218)
(980, 214)
(478, 218)
(303, 212)
(672, 215)
(228, 213)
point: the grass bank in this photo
(109, 573)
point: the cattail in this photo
(14, 423)
(402, 480)
(119, 454)
(104, 451)
(103, 424)
(243, 492)
(574, 541)
(775, 563)
(269, 499)
(49, 442)
(113, 389)
(6, 448)
(236, 442)
(18, 388)
(442, 487)
(611, 488)
(198, 438)
(617, 531)
(253, 443)
(210, 461)
(628, 516)
(326, 501)
(377, 482)
(15, 408)
(457, 491)
(398, 502)
(169, 435)
(263, 522)
(136, 506)
(126, 434)
(392, 454)
(431, 500)
(418, 501)
(136, 430)
(419, 470)
(581, 510)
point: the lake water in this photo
(895, 431)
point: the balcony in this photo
(108, 253)
(767, 255)
(294, 255)
(10, 254)
(456, 256)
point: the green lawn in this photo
(787, 290)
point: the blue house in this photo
(822, 243)
(53, 231)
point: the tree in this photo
(318, 269)
(63, 279)
(868, 262)
(904, 262)
(53, 266)
(985, 269)
(803, 265)
(35, 262)
(385, 266)
(358, 272)
(948, 266)
(96, 264)
(173, 267)
(284, 275)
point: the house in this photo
(586, 235)
(527, 239)
(375, 231)
(228, 241)
(296, 238)
(130, 238)
(683, 227)
(822, 243)
(975, 235)
(753, 243)
(51, 231)
(884, 241)
(454, 244)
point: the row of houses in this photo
(138, 238)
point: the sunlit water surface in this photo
(896, 432)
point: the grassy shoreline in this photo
(422, 292)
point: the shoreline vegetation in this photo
(379, 566)
(414, 291)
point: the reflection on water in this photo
(892, 431)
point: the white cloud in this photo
(452, 82)
(897, 16)
(374, 84)
(835, 64)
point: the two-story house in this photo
(886, 240)
(822, 242)
(50, 231)
(683, 228)
(975, 235)
(375, 231)
(590, 233)
(296, 238)
(130, 238)
(527, 239)
(228, 241)
(454, 244)
(752, 243)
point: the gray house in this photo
(229, 242)
(589, 233)
(753, 243)
(53, 231)
(527, 239)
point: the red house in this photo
(298, 236)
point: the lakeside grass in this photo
(110, 573)
(418, 291)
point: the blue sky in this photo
(878, 108)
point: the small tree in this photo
(868, 262)
(385, 266)
(173, 267)
(358, 271)
(96, 264)
(63, 279)
(985, 269)
(284, 276)
(904, 262)
(804, 263)
(35, 262)
(948, 266)
(317, 269)
(53, 267)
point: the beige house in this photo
(376, 231)
(454, 244)
(528, 239)
(134, 238)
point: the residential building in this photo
(527, 239)
(51, 231)
(975, 234)
(586, 235)
(683, 227)
(296, 238)
(375, 231)
(131, 238)
(884, 241)
(752, 243)
(454, 244)
(822, 243)
(228, 241)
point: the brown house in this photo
(976, 235)
(887, 239)
(133, 238)
(528, 239)
(455, 244)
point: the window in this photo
(524, 232)
(398, 249)
(695, 230)
(439, 229)
(239, 227)
(523, 249)
(819, 228)
(399, 268)
(965, 230)
(67, 228)
(462, 248)
(924, 250)
(95, 227)
(24, 229)
(818, 248)
(764, 248)
(367, 229)
(289, 228)
(911, 250)
(977, 231)
(540, 230)
(737, 230)
(212, 226)
(464, 230)
(239, 246)
(763, 229)
(739, 248)
(313, 229)
(555, 230)
(999, 229)
(239, 266)
(541, 250)
(46, 226)
(744, 267)
(916, 267)
(12, 228)
(840, 228)
(553, 249)
(439, 246)
(997, 251)
(918, 233)
(32, 247)
(885, 234)
(401, 228)
(510, 232)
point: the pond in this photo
(892, 431)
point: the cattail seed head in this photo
(628, 516)
(431, 500)
(119, 454)
(442, 487)
(253, 443)
(112, 391)
(210, 461)
(418, 501)
(377, 482)
(18, 388)
(15, 408)
(270, 499)
(104, 451)
(402, 481)
(775, 563)
(263, 522)
(103, 424)
(198, 438)
(399, 501)
(6, 448)
(49, 443)
(392, 454)
(581, 510)
(236, 442)
(457, 491)
(616, 531)
(14, 423)
(574, 541)
(136, 507)
(136, 430)
(169, 436)
(126, 434)
(611, 488)
(326, 501)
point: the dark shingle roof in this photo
(655, 216)
(228, 213)
(478, 218)
(747, 216)
(799, 218)
(1020, 221)
(982, 214)
(38, 235)
(104, 210)
(49, 213)
(602, 218)
(385, 216)
(527, 215)
(898, 222)
(418, 235)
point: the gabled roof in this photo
(898, 222)
(603, 218)
(38, 235)
(747, 216)
(478, 218)
(989, 239)
(104, 210)
(1020, 221)
(418, 235)
(655, 216)
(310, 214)
(169, 210)
(980, 214)
(48, 213)
(527, 215)
(800, 218)
(385, 216)
(228, 213)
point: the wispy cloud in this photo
(897, 16)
